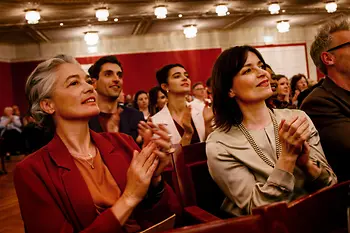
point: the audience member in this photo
(186, 123)
(329, 103)
(107, 74)
(282, 98)
(209, 90)
(157, 99)
(82, 180)
(298, 84)
(199, 93)
(256, 155)
(10, 130)
(141, 103)
(128, 101)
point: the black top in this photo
(195, 137)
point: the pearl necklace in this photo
(257, 148)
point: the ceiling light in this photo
(61, 24)
(102, 14)
(331, 6)
(190, 31)
(283, 26)
(274, 8)
(32, 16)
(160, 12)
(221, 10)
(227, 13)
(91, 37)
(92, 49)
(180, 15)
(116, 19)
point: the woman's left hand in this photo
(162, 138)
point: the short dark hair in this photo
(95, 69)
(294, 80)
(227, 66)
(196, 84)
(162, 73)
(137, 96)
(153, 97)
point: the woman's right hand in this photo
(140, 172)
(292, 135)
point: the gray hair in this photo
(323, 40)
(40, 84)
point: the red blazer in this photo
(54, 197)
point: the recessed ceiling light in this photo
(221, 9)
(331, 6)
(160, 11)
(283, 26)
(61, 24)
(102, 14)
(32, 16)
(116, 19)
(274, 8)
(89, 25)
(227, 13)
(180, 15)
(190, 31)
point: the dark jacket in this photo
(329, 108)
(54, 197)
(129, 119)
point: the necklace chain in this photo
(256, 147)
(91, 157)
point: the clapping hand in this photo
(161, 137)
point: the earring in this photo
(167, 91)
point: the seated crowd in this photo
(98, 161)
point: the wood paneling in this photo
(10, 217)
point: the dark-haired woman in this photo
(141, 103)
(257, 155)
(187, 123)
(157, 99)
(298, 84)
(82, 181)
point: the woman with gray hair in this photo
(81, 180)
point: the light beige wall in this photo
(7, 52)
(169, 42)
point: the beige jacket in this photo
(247, 180)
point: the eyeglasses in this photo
(339, 46)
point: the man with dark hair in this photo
(328, 105)
(107, 75)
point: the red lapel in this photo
(114, 151)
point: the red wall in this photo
(139, 70)
(20, 73)
(6, 92)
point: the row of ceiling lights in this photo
(91, 37)
(283, 25)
